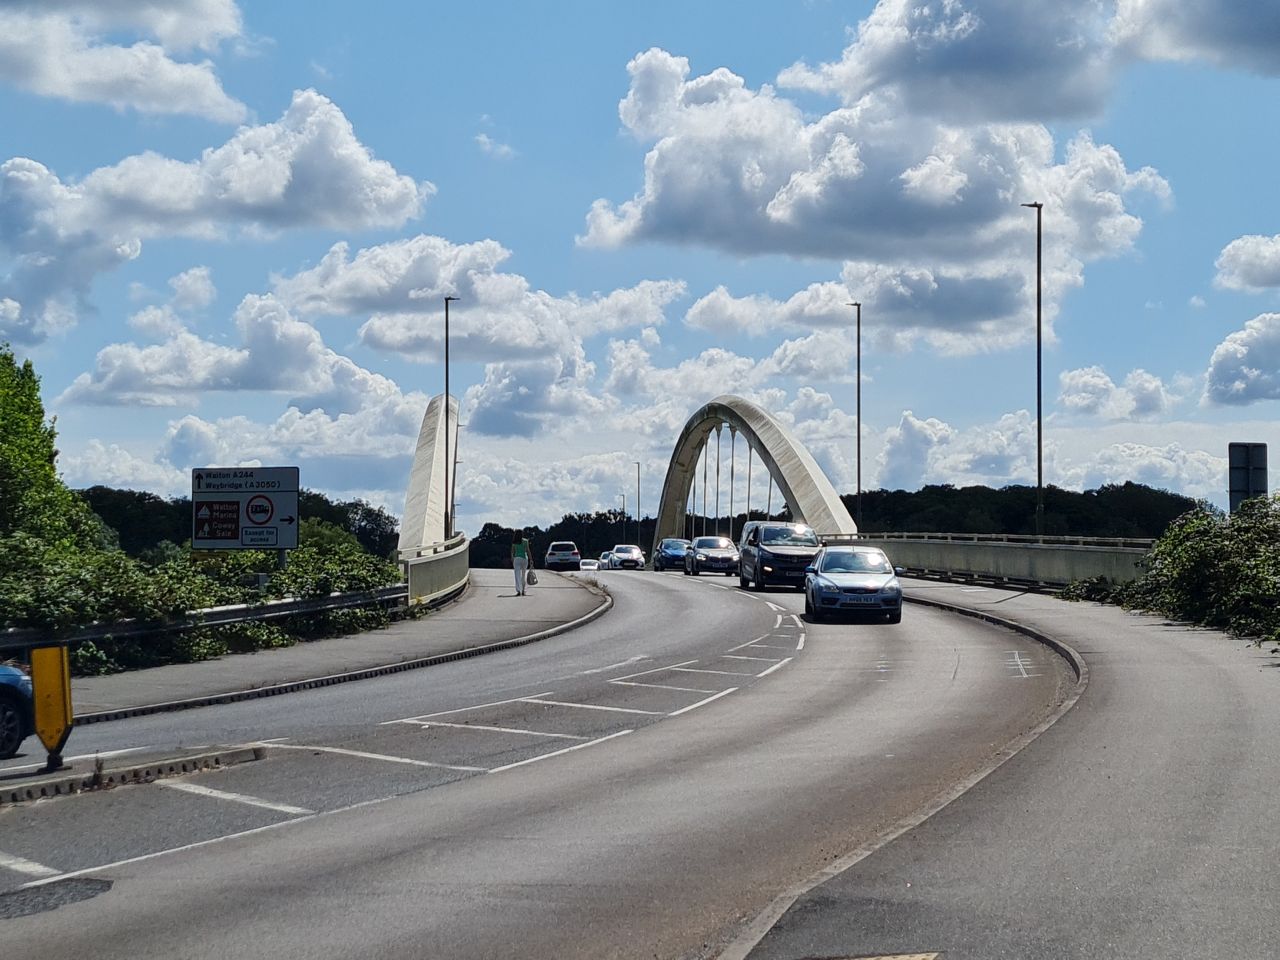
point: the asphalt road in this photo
(639, 787)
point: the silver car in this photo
(852, 579)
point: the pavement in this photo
(489, 612)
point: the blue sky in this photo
(226, 229)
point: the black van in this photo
(772, 552)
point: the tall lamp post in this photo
(448, 487)
(1039, 209)
(637, 463)
(857, 509)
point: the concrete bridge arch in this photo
(804, 487)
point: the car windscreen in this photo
(675, 546)
(626, 549)
(850, 561)
(563, 547)
(789, 537)
(713, 543)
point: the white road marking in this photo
(777, 623)
(695, 706)
(23, 865)
(342, 751)
(659, 686)
(800, 645)
(642, 673)
(776, 666)
(722, 673)
(613, 666)
(481, 726)
(233, 797)
(478, 706)
(770, 646)
(796, 618)
(83, 756)
(592, 706)
(556, 753)
(774, 606)
(729, 656)
(1016, 660)
(748, 643)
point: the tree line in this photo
(1129, 510)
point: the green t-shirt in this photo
(520, 549)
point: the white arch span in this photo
(805, 488)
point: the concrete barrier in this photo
(437, 570)
(1048, 561)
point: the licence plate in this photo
(861, 599)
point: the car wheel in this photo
(895, 617)
(685, 569)
(757, 581)
(808, 605)
(696, 571)
(10, 727)
(743, 583)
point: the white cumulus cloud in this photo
(1250, 263)
(1245, 367)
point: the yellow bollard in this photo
(51, 681)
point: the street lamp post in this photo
(1039, 209)
(857, 509)
(637, 463)
(623, 538)
(448, 487)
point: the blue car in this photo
(670, 554)
(17, 710)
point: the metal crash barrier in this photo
(1015, 559)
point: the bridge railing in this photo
(436, 571)
(1048, 561)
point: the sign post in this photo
(1246, 472)
(244, 508)
(51, 682)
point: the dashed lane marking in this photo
(478, 706)
(408, 761)
(749, 642)
(729, 656)
(702, 703)
(770, 646)
(591, 706)
(660, 686)
(800, 644)
(721, 673)
(247, 800)
(613, 666)
(777, 666)
(25, 866)
(484, 727)
(556, 753)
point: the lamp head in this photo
(449, 299)
(1037, 205)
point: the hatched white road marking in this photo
(478, 706)
(722, 673)
(1018, 661)
(700, 703)
(342, 751)
(613, 666)
(483, 727)
(642, 673)
(748, 643)
(796, 618)
(729, 656)
(591, 706)
(774, 606)
(23, 865)
(800, 645)
(556, 753)
(660, 686)
(776, 666)
(247, 800)
(777, 623)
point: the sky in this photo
(227, 229)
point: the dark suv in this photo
(772, 552)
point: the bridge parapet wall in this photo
(1022, 560)
(436, 570)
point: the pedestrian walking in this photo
(520, 560)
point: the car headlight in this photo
(700, 556)
(891, 589)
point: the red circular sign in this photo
(259, 510)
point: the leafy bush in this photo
(1213, 570)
